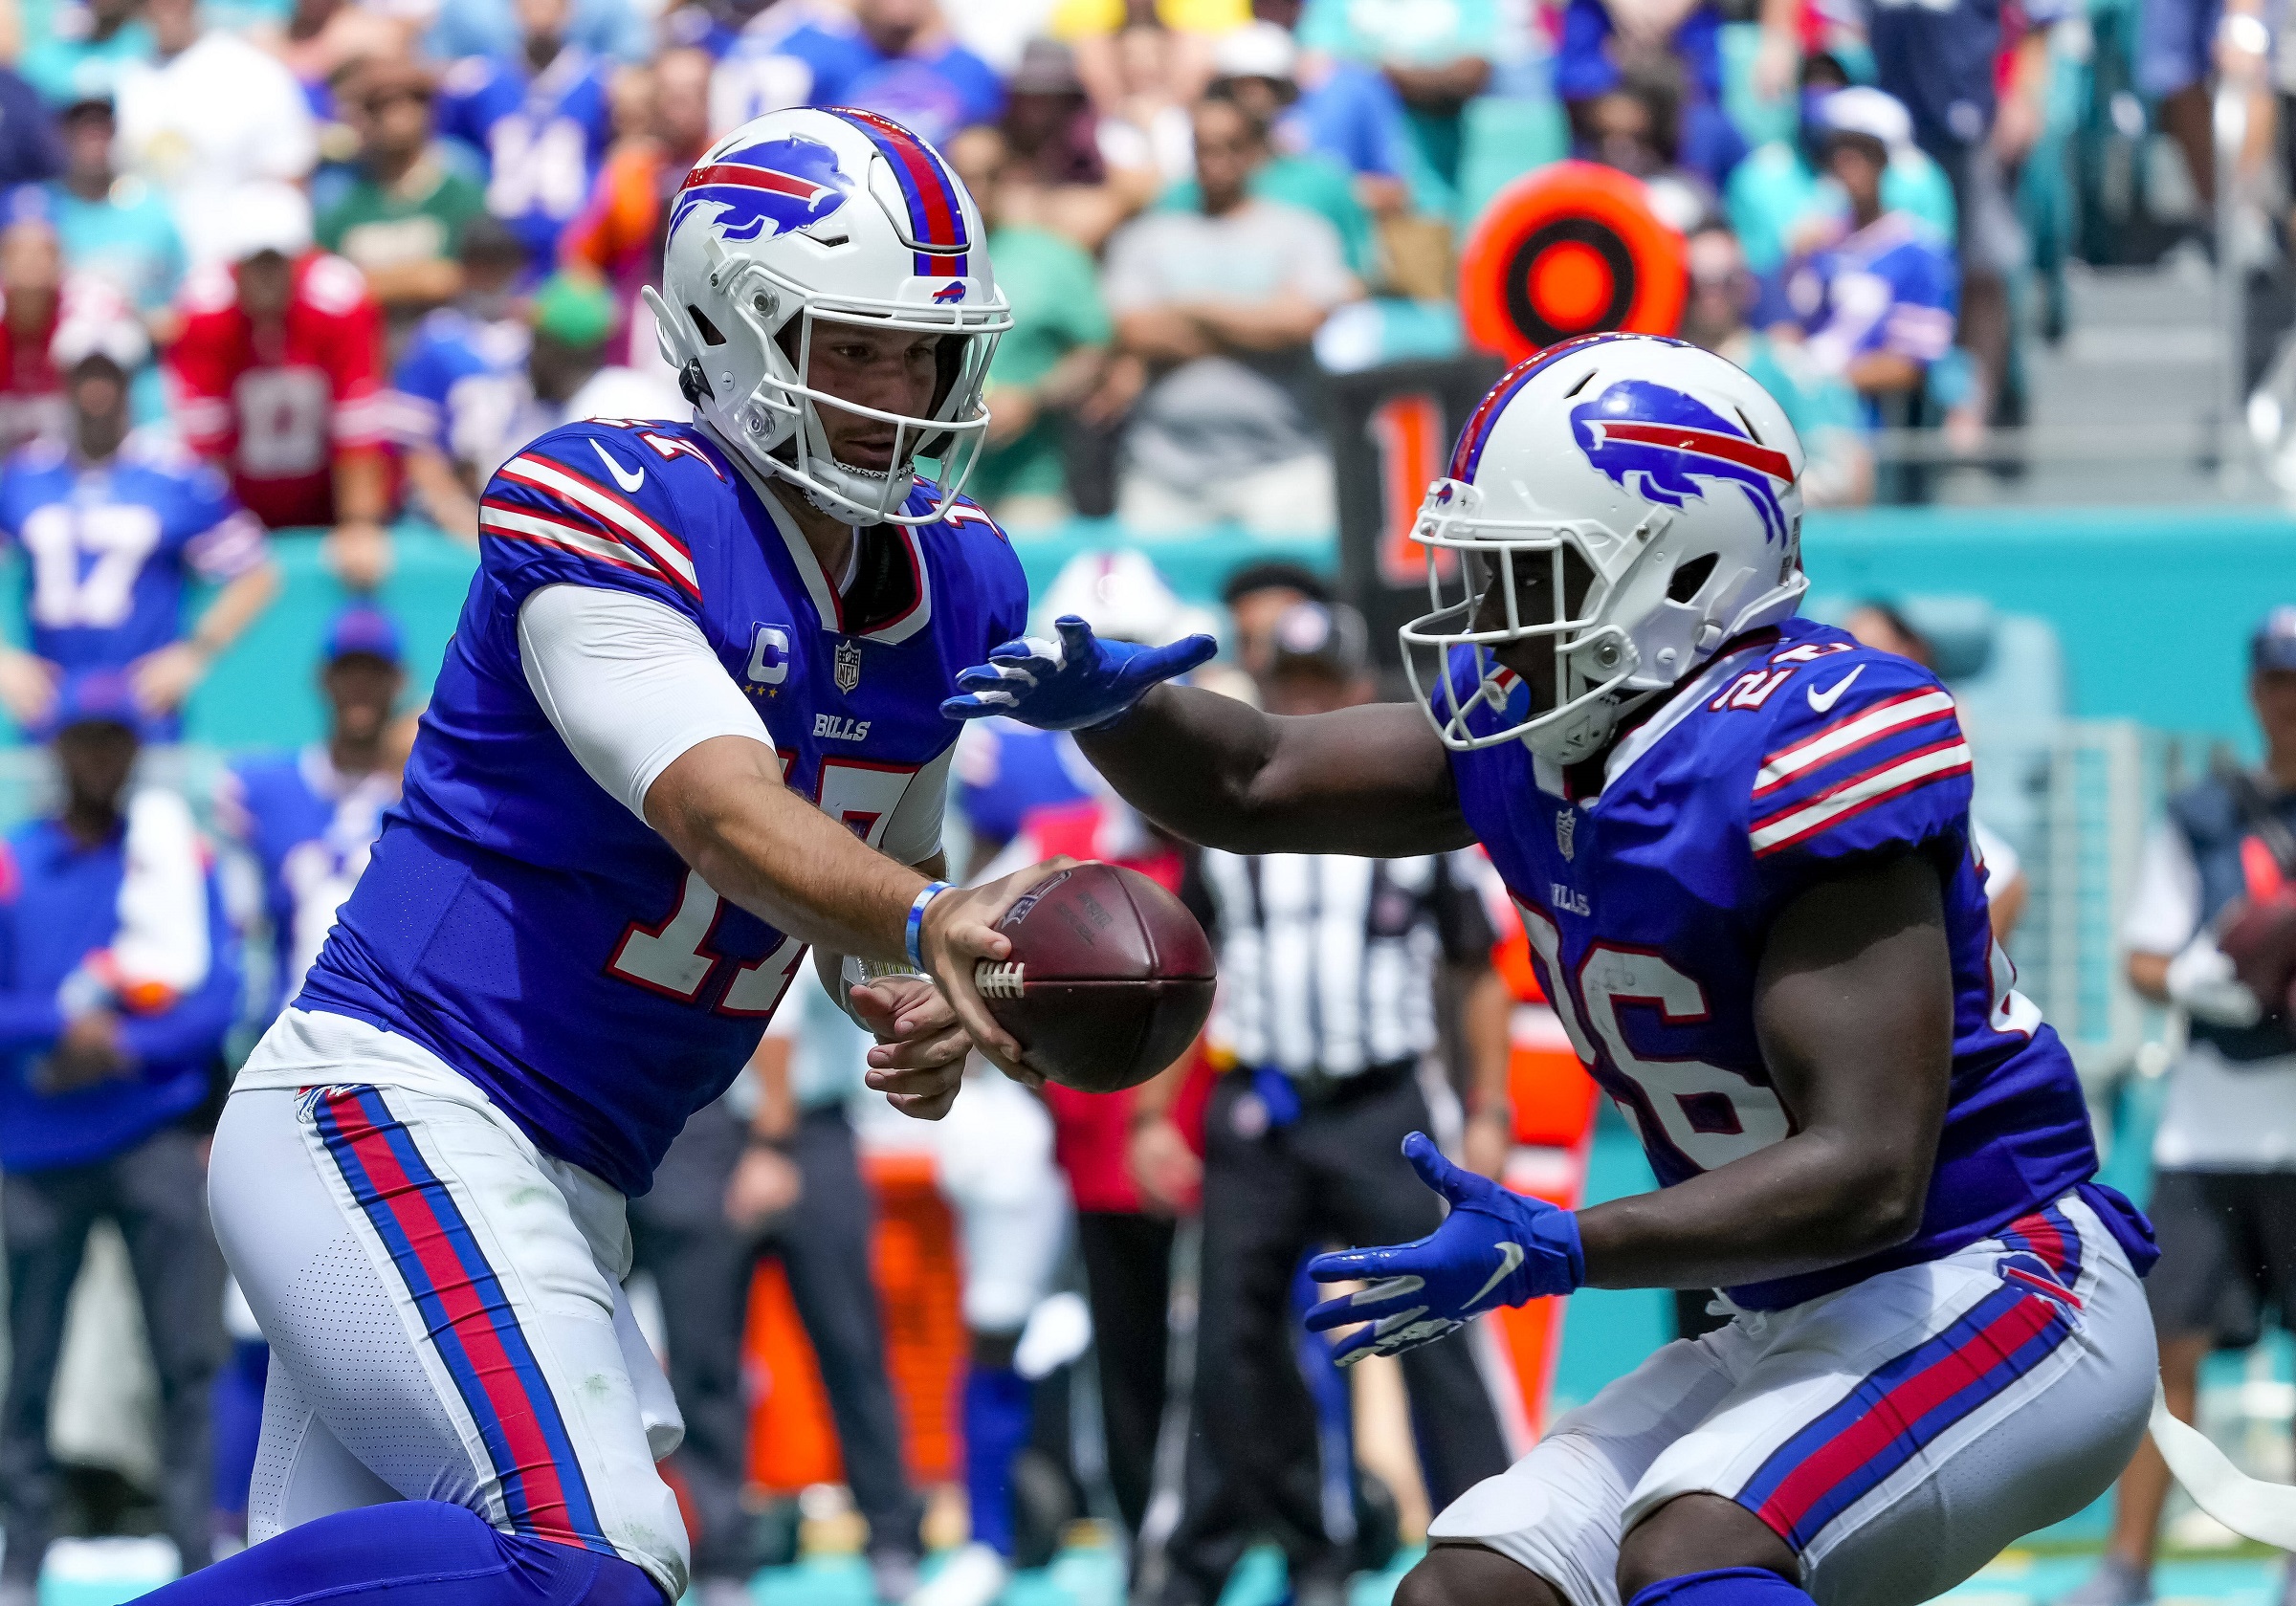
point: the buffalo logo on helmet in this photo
(774, 186)
(949, 294)
(1664, 447)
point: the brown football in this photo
(1109, 981)
(2261, 942)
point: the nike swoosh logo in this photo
(628, 481)
(1822, 702)
(1511, 1256)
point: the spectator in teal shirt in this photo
(1825, 412)
(81, 56)
(117, 228)
(1438, 57)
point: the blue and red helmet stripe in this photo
(936, 216)
(1467, 455)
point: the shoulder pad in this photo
(603, 488)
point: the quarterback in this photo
(1741, 847)
(687, 728)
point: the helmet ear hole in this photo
(1690, 578)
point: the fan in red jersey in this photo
(280, 374)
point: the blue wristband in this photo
(914, 936)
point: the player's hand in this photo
(164, 678)
(959, 931)
(1162, 1166)
(359, 553)
(1074, 684)
(28, 686)
(918, 1062)
(2202, 982)
(1494, 1249)
(765, 1184)
(87, 1053)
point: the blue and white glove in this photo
(1496, 1247)
(1077, 683)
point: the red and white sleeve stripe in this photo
(586, 518)
(1852, 732)
(1891, 778)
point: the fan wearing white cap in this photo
(278, 376)
(1741, 847)
(116, 528)
(686, 732)
(1875, 305)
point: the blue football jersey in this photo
(310, 828)
(1649, 904)
(111, 547)
(461, 386)
(517, 919)
(544, 136)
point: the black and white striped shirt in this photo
(1327, 962)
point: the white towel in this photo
(161, 951)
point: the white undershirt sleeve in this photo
(629, 683)
(913, 835)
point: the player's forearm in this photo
(1369, 781)
(1800, 1205)
(722, 807)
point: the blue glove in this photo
(1496, 1247)
(1077, 683)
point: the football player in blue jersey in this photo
(687, 729)
(1741, 847)
(116, 525)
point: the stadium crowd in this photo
(298, 269)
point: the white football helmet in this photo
(1644, 496)
(800, 217)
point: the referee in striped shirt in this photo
(1327, 1005)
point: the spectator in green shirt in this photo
(1825, 412)
(401, 222)
(1054, 362)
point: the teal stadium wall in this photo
(2152, 605)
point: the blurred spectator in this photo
(279, 371)
(1259, 594)
(1943, 60)
(1780, 203)
(31, 305)
(618, 235)
(98, 1083)
(1255, 67)
(402, 222)
(616, 29)
(309, 816)
(1223, 303)
(113, 227)
(898, 58)
(541, 118)
(327, 40)
(1603, 40)
(2183, 48)
(85, 46)
(460, 386)
(1144, 133)
(1318, 103)
(1635, 126)
(29, 148)
(1300, 1150)
(1874, 305)
(1437, 57)
(1052, 361)
(1054, 175)
(210, 123)
(1826, 415)
(117, 528)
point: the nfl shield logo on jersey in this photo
(849, 665)
(1566, 831)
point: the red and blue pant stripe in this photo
(2048, 1235)
(936, 217)
(1897, 1412)
(466, 1315)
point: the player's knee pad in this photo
(422, 1552)
(1724, 1586)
